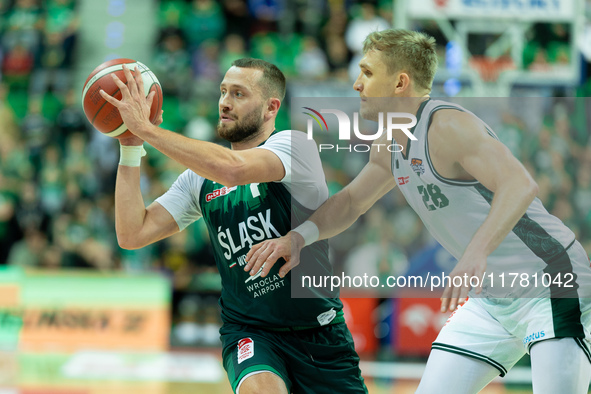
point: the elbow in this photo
(230, 180)
(234, 175)
(533, 189)
(358, 210)
(124, 243)
(355, 208)
(526, 187)
(127, 243)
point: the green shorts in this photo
(319, 360)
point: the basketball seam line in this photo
(108, 70)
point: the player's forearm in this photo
(336, 215)
(340, 211)
(130, 209)
(207, 159)
(509, 204)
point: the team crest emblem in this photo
(417, 166)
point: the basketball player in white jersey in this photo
(480, 203)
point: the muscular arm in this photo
(466, 143)
(333, 217)
(135, 225)
(213, 161)
(465, 150)
(340, 211)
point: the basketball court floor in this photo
(99, 372)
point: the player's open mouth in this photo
(225, 119)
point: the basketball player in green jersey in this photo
(480, 203)
(271, 342)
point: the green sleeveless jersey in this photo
(241, 216)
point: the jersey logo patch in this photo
(245, 349)
(218, 193)
(403, 180)
(417, 166)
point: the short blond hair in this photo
(405, 50)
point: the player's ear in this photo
(402, 82)
(273, 105)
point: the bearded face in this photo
(234, 128)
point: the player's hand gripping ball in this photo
(103, 115)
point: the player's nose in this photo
(225, 104)
(357, 85)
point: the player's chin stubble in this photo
(369, 110)
(241, 130)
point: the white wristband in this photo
(309, 231)
(131, 156)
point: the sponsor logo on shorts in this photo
(326, 317)
(534, 336)
(245, 349)
(403, 180)
(218, 193)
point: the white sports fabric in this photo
(303, 174)
(498, 331)
(182, 199)
(560, 366)
(450, 373)
(453, 210)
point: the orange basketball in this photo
(103, 115)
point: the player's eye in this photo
(367, 73)
(239, 94)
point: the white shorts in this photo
(500, 331)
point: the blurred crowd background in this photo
(57, 174)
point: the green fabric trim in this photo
(585, 346)
(566, 310)
(255, 368)
(412, 130)
(566, 317)
(468, 353)
(453, 182)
